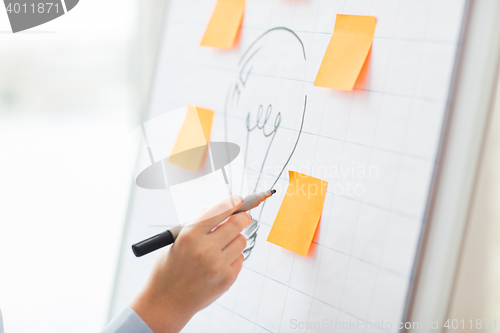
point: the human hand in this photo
(199, 267)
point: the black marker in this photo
(168, 237)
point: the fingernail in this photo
(250, 215)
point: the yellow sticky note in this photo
(347, 51)
(224, 24)
(195, 133)
(299, 213)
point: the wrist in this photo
(159, 313)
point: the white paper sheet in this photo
(376, 146)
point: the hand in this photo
(199, 267)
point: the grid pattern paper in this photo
(376, 146)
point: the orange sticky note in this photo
(224, 24)
(195, 133)
(347, 51)
(299, 213)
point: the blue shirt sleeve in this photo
(127, 321)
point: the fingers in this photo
(214, 215)
(239, 261)
(228, 230)
(234, 249)
(237, 264)
(232, 272)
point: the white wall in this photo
(477, 288)
(67, 103)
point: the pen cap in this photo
(153, 243)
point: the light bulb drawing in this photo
(232, 157)
(264, 122)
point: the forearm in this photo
(159, 313)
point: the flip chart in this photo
(376, 147)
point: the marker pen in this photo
(168, 237)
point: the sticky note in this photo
(224, 24)
(195, 133)
(299, 213)
(347, 51)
